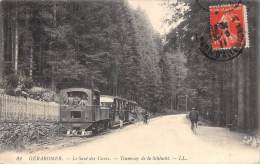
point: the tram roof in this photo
(108, 98)
(76, 89)
(131, 101)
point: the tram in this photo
(80, 110)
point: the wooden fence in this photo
(13, 109)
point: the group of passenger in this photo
(77, 100)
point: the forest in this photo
(225, 92)
(112, 47)
(99, 44)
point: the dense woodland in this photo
(112, 47)
(101, 44)
(225, 92)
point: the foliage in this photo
(12, 81)
(14, 84)
(103, 44)
(27, 83)
(218, 86)
(203, 76)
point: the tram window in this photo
(79, 94)
(75, 114)
(106, 104)
(76, 98)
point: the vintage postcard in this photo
(129, 82)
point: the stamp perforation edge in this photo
(246, 27)
(225, 5)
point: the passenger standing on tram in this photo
(70, 99)
(84, 101)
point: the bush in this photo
(27, 83)
(10, 92)
(42, 94)
(12, 81)
(10, 84)
(15, 84)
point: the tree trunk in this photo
(16, 41)
(258, 69)
(53, 85)
(248, 118)
(234, 114)
(241, 92)
(1, 42)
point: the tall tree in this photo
(105, 43)
(224, 84)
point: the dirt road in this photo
(166, 139)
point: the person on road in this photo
(145, 116)
(194, 117)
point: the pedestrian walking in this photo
(145, 117)
(194, 117)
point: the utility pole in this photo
(53, 85)
(171, 101)
(176, 102)
(186, 96)
(31, 61)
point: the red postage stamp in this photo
(229, 27)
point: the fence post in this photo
(44, 111)
(4, 112)
(1, 107)
(6, 99)
(26, 109)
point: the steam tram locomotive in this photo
(84, 110)
(80, 109)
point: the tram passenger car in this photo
(132, 108)
(80, 109)
(119, 109)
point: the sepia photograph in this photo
(129, 82)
